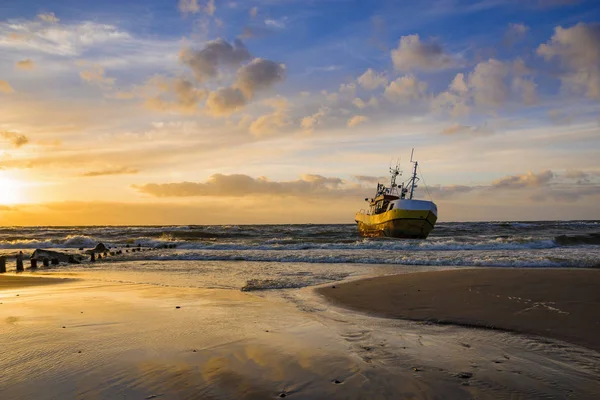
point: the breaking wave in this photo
(552, 258)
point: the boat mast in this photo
(414, 178)
(394, 172)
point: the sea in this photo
(283, 256)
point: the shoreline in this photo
(148, 339)
(561, 304)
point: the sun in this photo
(10, 190)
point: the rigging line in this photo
(425, 183)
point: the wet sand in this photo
(95, 339)
(556, 303)
(19, 281)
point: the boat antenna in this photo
(414, 178)
(394, 172)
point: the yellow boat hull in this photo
(406, 224)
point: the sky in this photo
(291, 111)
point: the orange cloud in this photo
(26, 64)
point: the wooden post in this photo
(20, 262)
(2, 265)
(33, 263)
(46, 262)
(93, 257)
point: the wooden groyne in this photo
(51, 258)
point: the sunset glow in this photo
(10, 190)
(252, 107)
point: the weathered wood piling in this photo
(2, 265)
(20, 262)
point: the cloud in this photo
(216, 53)
(529, 179)
(276, 23)
(514, 33)
(412, 54)
(5, 87)
(111, 171)
(26, 64)
(57, 38)
(250, 32)
(455, 100)
(459, 129)
(360, 103)
(189, 6)
(210, 7)
(48, 17)
(224, 101)
(348, 89)
(488, 82)
(576, 174)
(239, 185)
(357, 120)
(560, 117)
(582, 177)
(16, 139)
(95, 75)
(310, 122)
(527, 89)
(578, 51)
(177, 94)
(259, 74)
(405, 88)
(371, 80)
(273, 122)
(458, 84)
(371, 180)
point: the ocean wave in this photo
(303, 280)
(551, 258)
(292, 244)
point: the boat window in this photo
(391, 206)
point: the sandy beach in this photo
(557, 303)
(94, 339)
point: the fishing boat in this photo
(393, 212)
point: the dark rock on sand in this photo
(41, 254)
(464, 375)
(100, 248)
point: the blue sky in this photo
(175, 102)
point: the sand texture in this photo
(556, 303)
(94, 338)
